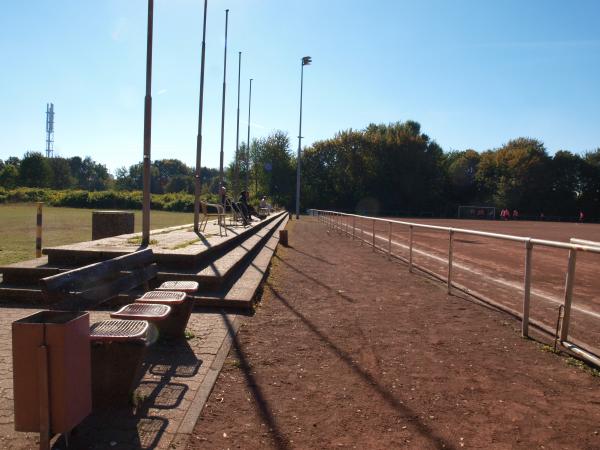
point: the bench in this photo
(118, 346)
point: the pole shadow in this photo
(387, 396)
(279, 438)
(316, 281)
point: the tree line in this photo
(382, 169)
(397, 169)
(36, 171)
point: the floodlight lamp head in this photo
(306, 60)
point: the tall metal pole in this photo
(299, 145)
(223, 104)
(248, 141)
(197, 174)
(237, 131)
(147, 130)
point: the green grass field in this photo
(60, 226)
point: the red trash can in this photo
(62, 340)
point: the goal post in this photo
(476, 212)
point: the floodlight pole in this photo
(237, 130)
(248, 141)
(304, 62)
(147, 130)
(223, 105)
(197, 174)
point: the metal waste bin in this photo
(283, 237)
(51, 371)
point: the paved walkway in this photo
(176, 383)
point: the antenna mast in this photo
(49, 130)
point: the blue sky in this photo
(474, 73)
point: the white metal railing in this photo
(338, 220)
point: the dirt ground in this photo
(348, 350)
(495, 268)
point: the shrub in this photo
(102, 199)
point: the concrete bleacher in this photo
(227, 268)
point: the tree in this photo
(170, 168)
(61, 173)
(35, 170)
(589, 199)
(9, 176)
(461, 169)
(14, 161)
(391, 168)
(565, 185)
(517, 175)
(274, 171)
(180, 183)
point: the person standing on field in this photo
(581, 216)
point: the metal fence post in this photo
(527, 289)
(450, 252)
(570, 281)
(353, 226)
(362, 234)
(410, 248)
(38, 231)
(373, 234)
(390, 243)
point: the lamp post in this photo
(223, 105)
(237, 130)
(305, 62)
(248, 141)
(147, 130)
(197, 174)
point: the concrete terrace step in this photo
(242, 293)
(22, 294)
(219, 264)
(28, 272)
(219, 271)
(169, 251)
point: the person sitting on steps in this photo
(246, 208)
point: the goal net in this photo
(477, 212)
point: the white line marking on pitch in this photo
(501, 281)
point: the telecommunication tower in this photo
(49, 130)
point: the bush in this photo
(102, 199)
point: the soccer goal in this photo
(477, 212)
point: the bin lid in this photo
(179, 285)
(118, 330)
(164, 297)
(142, 311)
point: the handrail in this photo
(334, 220)
(507, 237)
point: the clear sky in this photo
(474, 73)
